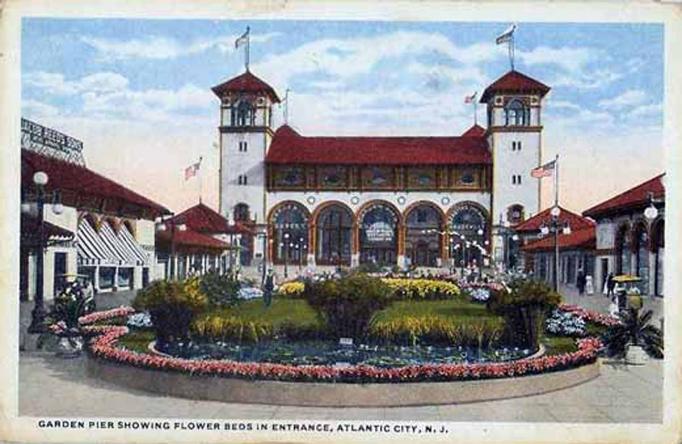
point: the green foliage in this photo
(438, 330)
(172, 306)
(137, 341)
(369, 267)
(348, 304)
(634, 329)
(220, 290)
(68, 308)
(559, 345)
(232, 328)
(524, 307)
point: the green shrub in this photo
(348, 304)
(172, 305)
(232, 328)
(524, 307)
(634, 329)
(437, 330)
(220, 290)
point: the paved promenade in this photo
(51, 386)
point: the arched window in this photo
(290, 233)
(241, 212)
(423, 237)
(379, 235)
(469, 226)
(243, 114)
(517, 114)
(641, 250)
(334, 228)
(623, 250)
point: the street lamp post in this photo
(554, 228)
(286, 254)
(173, 226)
(40, 179)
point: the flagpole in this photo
(475, 113)
(556, 181)
(248, 48)
(201, 179)
(511, 51)
(286, 106)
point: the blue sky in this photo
(139, 86)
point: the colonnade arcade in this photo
(423, 234)
(639, 251)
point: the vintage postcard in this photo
(342, 221)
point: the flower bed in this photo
(98, 316)
(564, 323)
(105, 346)
(589, 315)
(403, 288)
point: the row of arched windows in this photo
(639, 247)
(427, 231)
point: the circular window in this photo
(401, 200)
(355, 200)
(445, 200)
(311, 200)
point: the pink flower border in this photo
(104, 346)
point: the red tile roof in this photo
(632, 198)
(246, 82)
(204, 219)
(189, 238)
(289, 147)
(69, 177)
(475, 131)
(580, 239)
(575, 221)
(515, 82)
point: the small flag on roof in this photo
(471, 98)
(243, 39)
(545, 170)
(192, 170)
(507, 35)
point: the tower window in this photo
(242, 179)
(516, 179)
(517, 114)
(516, 145)
(243, 147)
(243, 114)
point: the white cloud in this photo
(626, 99)
(160, 48)
(570, 59)
(655, 109)
(56, 84)
(106, 95)
(345, 58)
(34, 109)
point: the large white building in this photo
(424, 201)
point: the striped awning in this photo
(106, 247)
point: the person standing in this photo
(580, 282)
(610, 285)
(268, 288)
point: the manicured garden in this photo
(355, 328)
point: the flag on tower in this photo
(242, 40)
(192, 170)
(471, 98)
(507, 35)
(545, 170)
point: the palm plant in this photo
(634, 329)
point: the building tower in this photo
(514, 103)
(245, 135)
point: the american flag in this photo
(545, 170)
(191, 170)
(471, 98)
